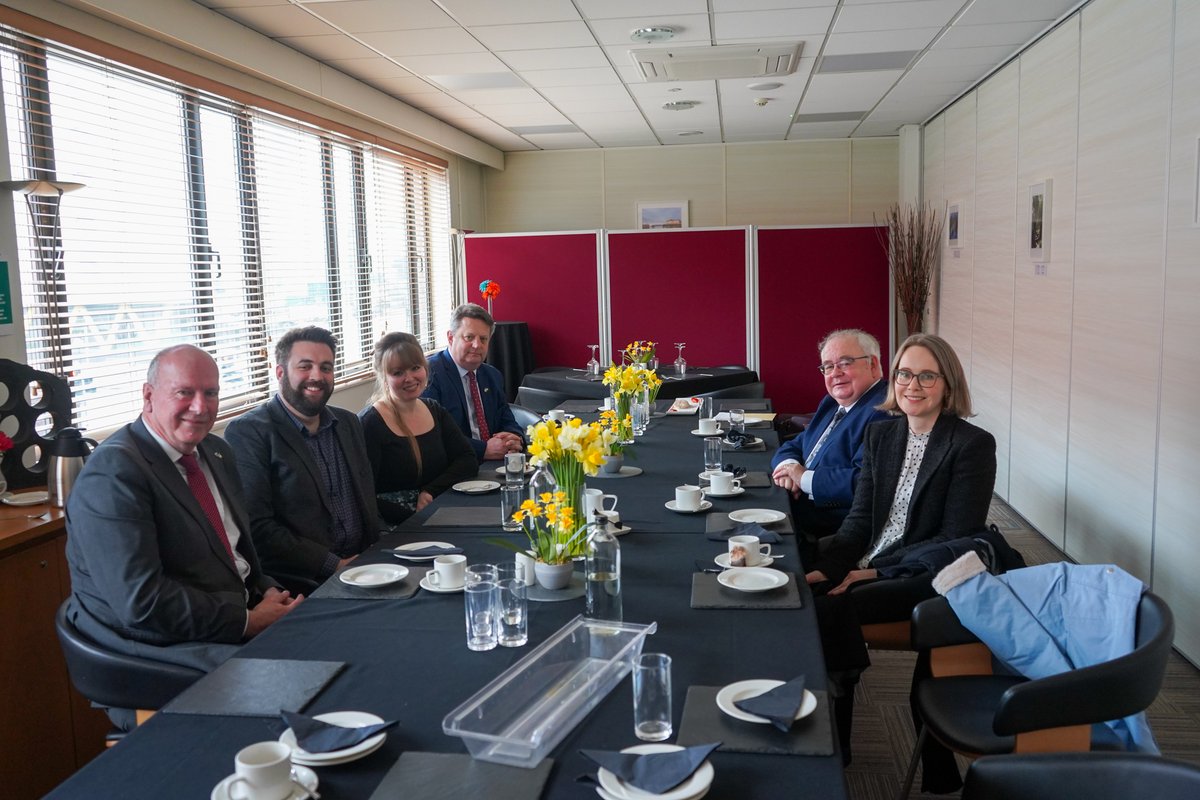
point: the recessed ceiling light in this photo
(763, 87)
(654, 33)
(689, 133)
(680, 105)
(675, 89)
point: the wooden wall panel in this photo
(695, 173)
(1124, 106)
(957, 290)
(780, 184)
(545, 191)
(874, 178)
(993, 256)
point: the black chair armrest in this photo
(934, 624)
(889, 599)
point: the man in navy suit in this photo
(458, 375)
(820, 466)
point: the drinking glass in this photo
(593, 365)
(652, 697)
(639, 411)
(511, 498)
(680, 364)
(512, 614)
(514, 469)
(481, 599)
(706, 408)
(480, 573)
(712, 454)
(737, 420)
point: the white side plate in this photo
(753, 579)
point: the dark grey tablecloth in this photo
(697, 381)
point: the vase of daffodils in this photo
(621, 428)
(629, 384)
(554, 537)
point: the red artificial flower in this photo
(6, 443)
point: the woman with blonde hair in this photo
(415, 448)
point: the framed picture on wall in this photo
(1039, 221)
(952, 230)
(655, 216)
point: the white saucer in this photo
(618, 530)
(26, 498)
(626, 472)
(429, 587)
(722, 560)
(475, 487)
(707, 474)
(763, 516)
(736, 491)
(399, 551)
(566, 417)
(528, 469)
(305, 776)
(704, 506)
(753, 579)
(743, 690)
(347, 719)
(717, 432)
(693, 788)
(374, 575)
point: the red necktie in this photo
(476, 401)
(199, 486)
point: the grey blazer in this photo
(290, 512)
(950, 498)
(149, 574)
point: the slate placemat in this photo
(255, 687)
(716, 523)
(707, 593)
(756, 479)
(464, 517)
(580, 406)
(336, 590)
(454, 776)
(704, 722)
(745, 404)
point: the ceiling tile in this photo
(405, 86)
(522, 114)
(880, 41)
(596, 98)
(691, 28)
(556, 58)
(329, 47)
(560, 141)
(865, 62)
(1016, 11)
(367, 16)
(277, 21)
(454, 64)
(797, 22)
(530, 36)
(426, 42)
(372, 68)
(611, 123)
(217, 4)
(962, 56)
(846, 92)
(491, 12)
(590, 76)
(1014, 33)
(612, 9)
(896, 16)
(720, 6)
(493, 97)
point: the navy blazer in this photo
(950, 498)
(149, 574)
(841, 457)
(290, 511)
(446, 387)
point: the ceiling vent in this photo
(715, 63)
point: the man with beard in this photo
(308, 482)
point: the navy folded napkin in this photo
(746, 529)
(316, 736)
(431, 550)
(652, 772)
(778, 705)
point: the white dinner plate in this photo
(27, 498)
(753, 579)
(722, 560)
(399, 551)
(736, 491)
(763, 516)
(429, 587)
(475, 487)
(704, 506)
(717, 432)
(743, 690)
(347, 719)
(374, 575)
(305, 776)
(694, 787)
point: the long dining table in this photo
(407, 660)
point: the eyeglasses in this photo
(925, 380)
(842, 363)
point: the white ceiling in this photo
(557, 74)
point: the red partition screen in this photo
(546, 280)
(681, 286)
(811, 281)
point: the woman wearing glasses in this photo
(927, 475)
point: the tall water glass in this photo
(514, 469)
(477, 573)
(712, 454)
(513, 608)
(652, 697)
(480, 601)
(511, 498)
(706, 408)
(737, 420)
(639, 411)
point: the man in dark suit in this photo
(464, 385)
(162, 565)
(820, 466)
(309, 486)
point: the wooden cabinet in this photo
(47, 730)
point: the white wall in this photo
(1088, 374)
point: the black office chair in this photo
(976, 713)
(117, 680)
(755, 390)
(524, 416)
(539, 400)
(1097, 776)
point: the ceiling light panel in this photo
(479, 80)
(880, 41)
(865, 62)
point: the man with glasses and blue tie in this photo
(820, 466)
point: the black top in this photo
(446, 458)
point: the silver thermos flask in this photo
(68, 450)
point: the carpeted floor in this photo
(883, 735)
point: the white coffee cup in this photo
(747, 551)
(606, 404)
(557, 414)
(687, 497)
(448, 571)
(264, 770)
(593, 501)
(723, 483)
(707, 425)
(527, 567)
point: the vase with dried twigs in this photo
(913, 244)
